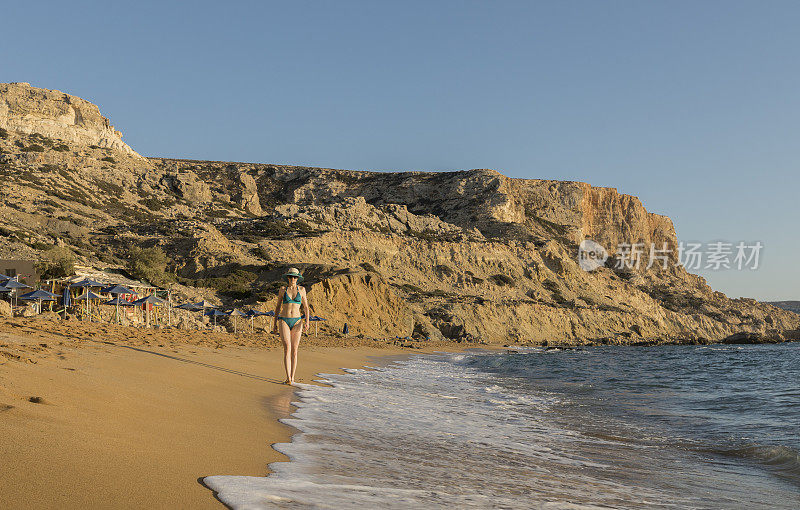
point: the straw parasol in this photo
(235, 313)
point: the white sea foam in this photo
(431, 433)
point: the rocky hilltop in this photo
(28, 110)
(455, 255)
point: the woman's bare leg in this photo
(287, 351)
(296, 332)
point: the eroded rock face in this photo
(467, 255)
(57, 115)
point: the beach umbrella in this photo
(4, 277)
(85, 297)
(117, 290)
(66, 300)
(255, 313)
(270, 313)
(118, 301)
(152, 299)
(86, 283)
(235, 313)
(252, 314)
(189, 306)
(214, 313)
(202, 305)
(14, 284)
(88, 295)
(39, 296)
(316, 326)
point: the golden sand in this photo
(102, 416)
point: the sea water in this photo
(596, 427)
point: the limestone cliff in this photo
(460, 255)
(56, 115)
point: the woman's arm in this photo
(277, 309)
(305, 308)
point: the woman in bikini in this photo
(287, 316)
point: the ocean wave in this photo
(619, 428)
(780, 460)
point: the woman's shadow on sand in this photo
(207, 365)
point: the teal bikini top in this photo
(297, 299)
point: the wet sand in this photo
(109, 417)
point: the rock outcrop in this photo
(56, 115)
(468, 255)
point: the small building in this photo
(24, 269)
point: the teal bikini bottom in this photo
(291, 321)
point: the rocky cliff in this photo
(460, 255)
(56, 115)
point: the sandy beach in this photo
(101, 416)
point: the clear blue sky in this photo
(692, 106)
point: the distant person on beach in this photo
(287, 316)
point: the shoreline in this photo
(281, 411)
(97, 416)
